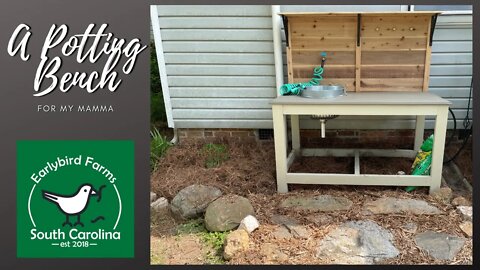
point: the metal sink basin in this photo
(323, 91)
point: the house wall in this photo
(220, 66)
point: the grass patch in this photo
(215, 154)
(158, 147)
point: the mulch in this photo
(250, 172)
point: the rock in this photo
(249, 224)
(467, 228)
(320, 220)
(235, 242)
(160, 206)
(357, 242)
(272, 253)
(292, 226)
(440, 246)
(227, 212)
(466, 212)
(281, 219)
(409, 227)
(298, 231)
(442, 195)
(390, 205)
(153, 197)
(192, 201)
(461, 201)
(400, 173)
(282, 232)
(322, 203)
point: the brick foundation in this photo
(388, 138)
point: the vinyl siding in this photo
(221, 74)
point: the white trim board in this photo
(161, 64)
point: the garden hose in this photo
(296, 88)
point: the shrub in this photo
(158, 147)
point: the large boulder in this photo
(226, 213)
(192, 201)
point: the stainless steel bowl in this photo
(323, 91)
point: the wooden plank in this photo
(220, 70)
(428, 56)
(394, 43)
(215, 22)
(213, 10)
(324, 43)
(343, 71)
(218, 46)
(397, 58)
(394, 26)
(219, 58)
(223, 92)
(217, 34)
(315, 58)
(358, 68)
(392, 84)
(357, 162)
(222, 113)
(289, 65)
(348, 83)
(361, 180)
(322, 26)
(392, 71)
(347, 152)
(219, 81)
(373, 124)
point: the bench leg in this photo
(280, 136)
(419, 132)
(438, 148)
(295, 126)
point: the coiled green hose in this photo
(296, 88)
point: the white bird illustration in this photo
(74, 204)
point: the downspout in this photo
(162, 70)
(277, 46)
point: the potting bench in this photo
(419, 104)
(383, 60)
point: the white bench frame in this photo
(284, 161)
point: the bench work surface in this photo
(370, 98)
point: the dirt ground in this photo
(250, 172)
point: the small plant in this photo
(158, 147)
(215, 154)
(193, 226)
(215, 240)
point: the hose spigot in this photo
(324, 58)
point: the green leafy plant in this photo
(192, 226)
(215, 154)
(158, 147)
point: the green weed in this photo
(215, 154)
